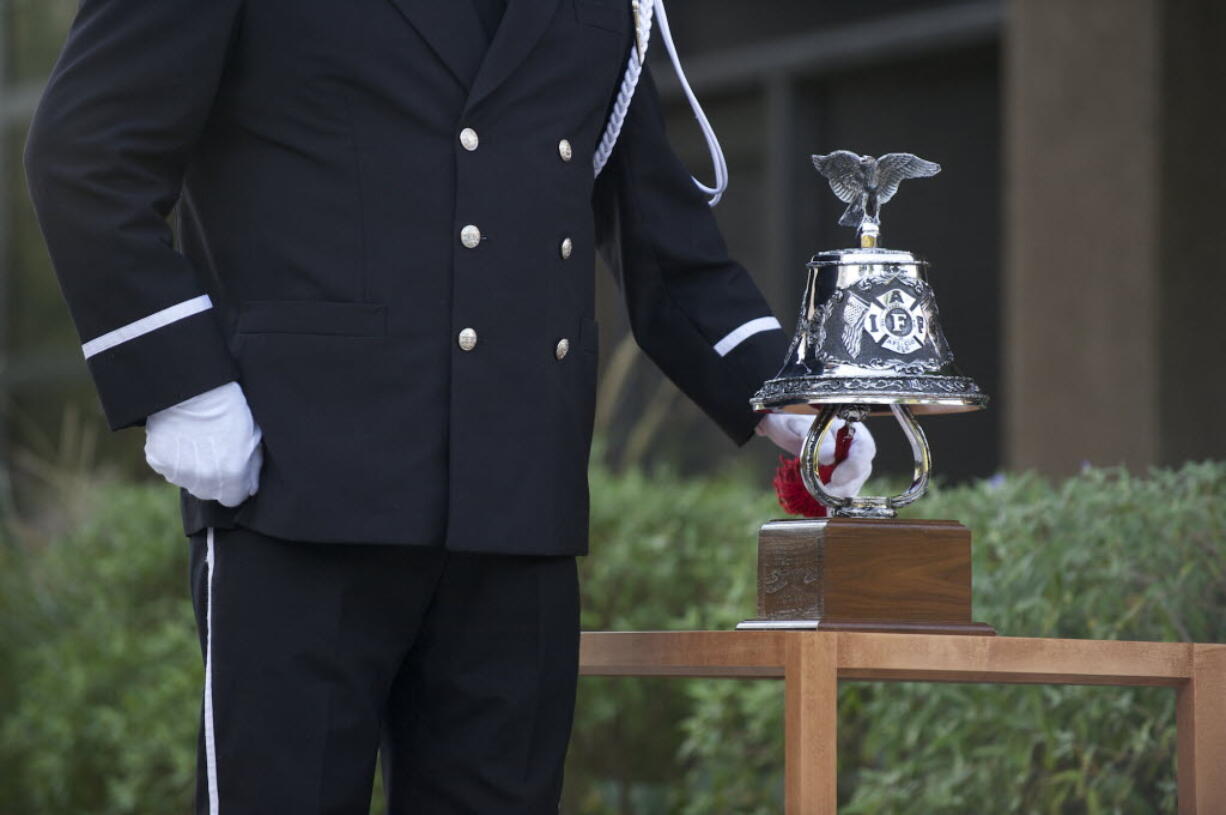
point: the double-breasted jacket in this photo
(387, 233)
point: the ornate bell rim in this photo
(799, 400)
(826, 367)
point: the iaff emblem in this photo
(895, 319)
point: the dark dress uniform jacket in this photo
(314, 150)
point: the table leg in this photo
(1201, 721)
(811, 724)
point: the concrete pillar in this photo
(1110, 251)
(1192, 267)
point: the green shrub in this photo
(1103, 555)
(665, 553)
(100, 665)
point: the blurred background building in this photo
(1072, 232)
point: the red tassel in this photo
(794, 497)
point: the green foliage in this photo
(100, 665)
(1103, 555)
(665, 553)
(100, 687)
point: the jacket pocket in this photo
(612, 15)
(327, 317)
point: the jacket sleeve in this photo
(104, 159)
(693, 310)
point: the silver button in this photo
(470, 236)
(563, 347)
(468, 138)
(565, 150)
(468, 339)
(567, 247)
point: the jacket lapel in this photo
(522, 27)
(454, 32)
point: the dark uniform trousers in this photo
(461, 665)
(388, 229)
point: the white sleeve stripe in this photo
(144, 325)
(738, 335)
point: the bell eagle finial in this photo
(865, 183)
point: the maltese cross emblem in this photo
(894, 319)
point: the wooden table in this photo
(811, 663)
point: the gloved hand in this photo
(208, 444)
(788, 430)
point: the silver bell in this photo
(869, 338)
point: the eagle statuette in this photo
(865, 183)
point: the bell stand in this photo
(862, 568)
(870, 506)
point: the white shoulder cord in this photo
(643, 20)
(634, 67)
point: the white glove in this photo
(788, 430)
(208, 444)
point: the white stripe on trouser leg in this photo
(741, 333)
(210, 745)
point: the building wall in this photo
(1114, 201)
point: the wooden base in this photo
(845, 574)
